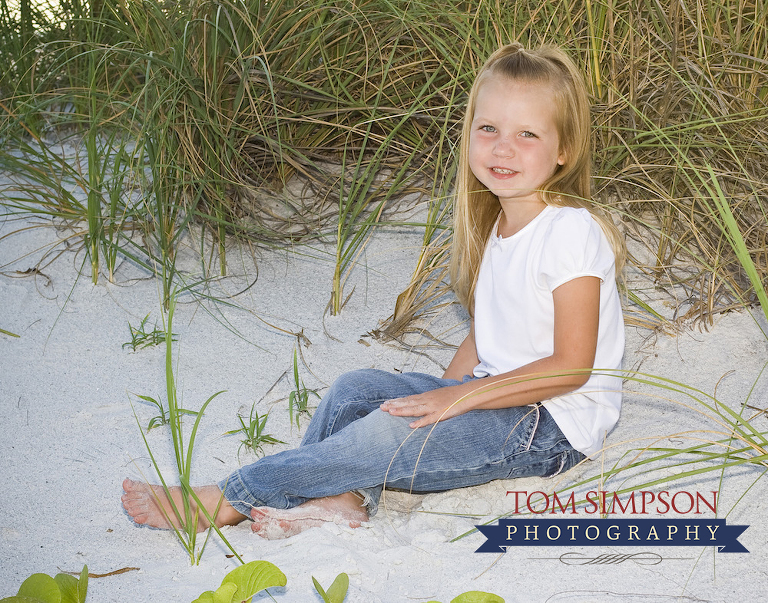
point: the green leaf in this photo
(254, 577)
(68, 588)
(42, 587)
(477, 596)
(149, 399)
(225, 593)
(320, 590)
(338, 590)
(82, 585)
(206, 597)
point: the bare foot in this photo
(281, 523)
(149, 505)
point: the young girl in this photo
(535, 266)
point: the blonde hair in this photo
(476, 209)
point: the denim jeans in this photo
(351, 445)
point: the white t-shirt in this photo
(514, 313)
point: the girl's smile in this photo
(514, 147)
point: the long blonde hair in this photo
(476, 209)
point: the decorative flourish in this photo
(611, 559)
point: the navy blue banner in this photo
(612, 532)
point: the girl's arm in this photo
(576, 304)
(465, 359)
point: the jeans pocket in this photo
(543, 450)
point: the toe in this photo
(139, 518)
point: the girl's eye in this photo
(527, 134)
(487, 128)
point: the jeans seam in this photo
(237, 488)
(533, 431)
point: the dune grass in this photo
(210, 110)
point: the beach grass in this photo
(210, 111)
(253, 433)
(183, 521)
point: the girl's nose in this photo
(504, 148)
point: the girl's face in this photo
(514, 147)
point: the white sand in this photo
(69, 438)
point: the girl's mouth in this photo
(503, 171)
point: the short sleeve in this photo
(575, 246)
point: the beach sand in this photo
(68, 393)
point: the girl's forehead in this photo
(500, 93)
(504, 82)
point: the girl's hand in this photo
(433, 406)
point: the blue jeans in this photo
(351, 445)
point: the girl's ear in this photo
(562, 155)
